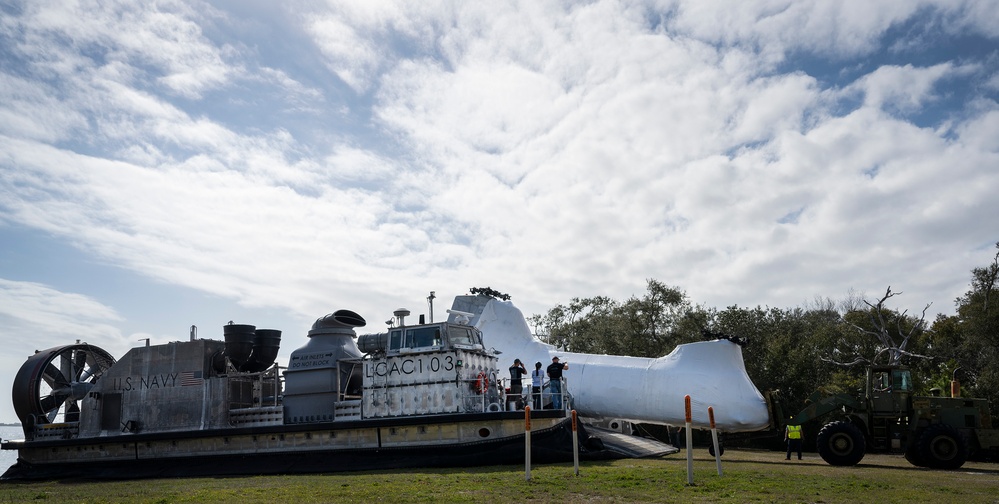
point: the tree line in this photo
(825, 345)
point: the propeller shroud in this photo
(51, 383)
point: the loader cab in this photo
(889, 389)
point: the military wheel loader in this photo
(935, 432)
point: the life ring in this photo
(481, 383)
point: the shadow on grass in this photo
(813, 459)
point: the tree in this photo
(891, 330)
(784, 346)
(653, 325)
(650, 326)
(971, 338)
(572, 327)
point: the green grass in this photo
(749, 476)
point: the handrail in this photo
(527, 392)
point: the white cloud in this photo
(33, 112)
(38, 317)
(162, 39)
(979, 132)
(226, 231)
(778, 27)
(351, 56)
(44, 313)
(360, 39)
(904, 88)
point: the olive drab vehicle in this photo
(935, 432)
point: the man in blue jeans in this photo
(555, 375)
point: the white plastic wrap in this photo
(635, 389)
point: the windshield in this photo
(462, 336)
(421, 337)
(901, 379)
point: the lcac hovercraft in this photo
(416, 396)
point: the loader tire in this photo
(943, 447)
(912, 453)
(721, 449)
(841, 444)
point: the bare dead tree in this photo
(884, 333)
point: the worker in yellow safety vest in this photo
(792, 434)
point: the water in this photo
(8, 457)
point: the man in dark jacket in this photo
(555, 375)
(517, 372)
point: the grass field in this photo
(749, 476)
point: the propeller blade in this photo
(66, 365)
(90, 372)
(80, 362)
(51, 403)
(53, 377)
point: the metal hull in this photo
(472, 440)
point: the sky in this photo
(165, 164)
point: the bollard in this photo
(690, 442)
(575, 444)
(527, 443)
(714, 438)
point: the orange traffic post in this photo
(575, 444)
(690, 442)
(527, 443)
(714, 438)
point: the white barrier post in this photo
(714, 439)
(690, 442)
(575, 444)
(527, 443)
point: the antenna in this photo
(430, 300)
(461, 317)
(400, 316)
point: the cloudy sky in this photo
(168, 164)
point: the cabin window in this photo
(881, 381)
(395, 340)
(422, 337)
(902, 380)
(462, 336)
